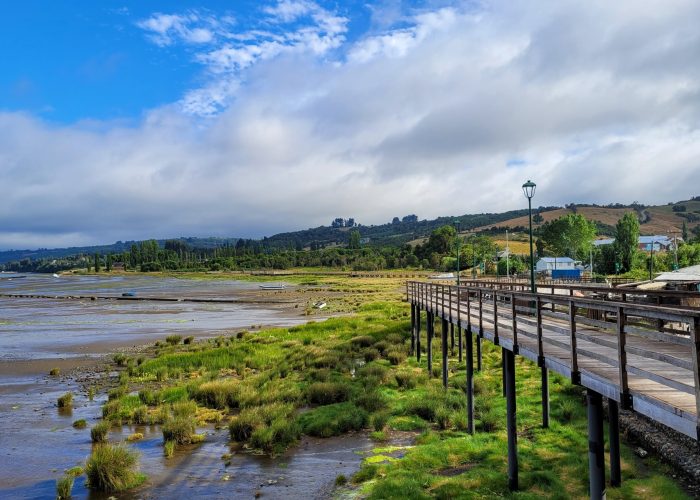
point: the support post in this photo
(545, 397)
(418, 321)
(511, 424)
(478, 352)
(614, 439)
(596, 447)
(504, 375)
(444, 352)
(452, 339)
(413, 328)
(431, 326)
(470, 380)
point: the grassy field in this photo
(353, 373)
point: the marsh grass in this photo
(99, 432)
(113, 468)
(343, 368)
(80, 424)
(64, 487)
(65, 401)
(55, 372)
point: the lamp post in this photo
(456, 224)
(529, 190)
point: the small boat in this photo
(320, 305)
(128, 294)
(56, 275)
(273, 287)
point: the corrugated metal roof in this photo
(691, 273)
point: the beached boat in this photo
(273, 287)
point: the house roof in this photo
(558, 260)
(604, 241)
(658, 238)
(691, 273)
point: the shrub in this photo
(99, 432)
(55, 372)
(65, 401)
(64, 487)
(324, 393)
(80, 424)
(112, 468)
(173, 339)
(181, 430)
(188, 340)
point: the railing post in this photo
(694, 328)
(575, 376)
(622, 358)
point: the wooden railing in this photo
(640, 355)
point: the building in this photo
(549, 264)
(661, 243)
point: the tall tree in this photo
(354, 239)
(97, 262)
(626, 240)
(571, 235)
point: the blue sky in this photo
(136, 120)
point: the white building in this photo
(548, 264)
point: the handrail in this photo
(632, 328)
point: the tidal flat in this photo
(321, 409)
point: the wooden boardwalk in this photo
(641, 356)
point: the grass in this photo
(64, 487)
(113, 468)
(55, 372)
(80, 424)
(65, 401)
(353, 373)
(99, 432)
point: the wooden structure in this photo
(641, 356)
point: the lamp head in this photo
(529, 189)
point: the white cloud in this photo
(599, 101)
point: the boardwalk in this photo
(641, 356)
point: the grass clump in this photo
(113, 468)
(180, 429)
(325, 393)
(169, 449)
(65, 401)
(136, 436)
(120, 359)
(333, 420)
(55, 372)
(188, 340)
(218, 393)
(271, 428)
(99, 432)
(64, 487)
(80, 424)
(173, 339)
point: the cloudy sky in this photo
(131, 120)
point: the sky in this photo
(135, 120)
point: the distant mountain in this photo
(662, 219)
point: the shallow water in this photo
(37, 441)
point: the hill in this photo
(661, 219)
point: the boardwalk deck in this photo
(653, 372)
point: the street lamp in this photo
(456, 224)
(529, 190)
